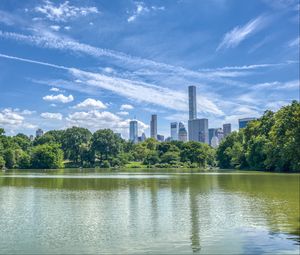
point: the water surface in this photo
(91, 211)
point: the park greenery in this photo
(270, 143)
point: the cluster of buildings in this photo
(198, 129)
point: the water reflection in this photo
(143, 212)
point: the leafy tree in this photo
(2, 162)
(170, 157)
(9, 158)
(106, 144)
(47, 156)
(151, 158)
(72, 138)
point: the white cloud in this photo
(294, 84)
(295, 42)
(64, 11)
(168, 98)
(50, 115)
(141, 8)
(13, 120)
(126, 107)
(123, 113)
(10, 117)
(239, 34)
(95, 120)
(59, 98)
(90, 104)
(55, 89)
(55, 27)
(172, 99)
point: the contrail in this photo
(35, 62)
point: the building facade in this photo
(174, 131)
(160, 138)
(133, 131)
(182, 133)
(243, 122)
(198, 130)
(192, 103)
(39, 132)
(226, 129)
(153, 126)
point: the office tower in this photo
(226, 129)
(143, 137)
(174, 131)
(39, 133)
(211, 134)
(160, 138)
(182, 133)
(243, 122)
(133, 131)
(153, 126)
(198, 130)
(31, 137)
(220, 134)
(192, 103)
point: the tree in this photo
(72, 138)
(2, 162)
(47, 156)
(9, 158)
(106, 144)
(151, 158)
(170, 157)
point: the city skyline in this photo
(58, 69)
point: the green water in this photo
(90, 211)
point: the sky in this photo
(99, 64)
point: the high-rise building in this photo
(160, 138)
(243, 122)
(198, 130)
(192, 103)
(220, 134)
(133, 131)
(39, 132)
(211, 133)
(153, 126)
(182, 133)
(226, 129)
(174, 131)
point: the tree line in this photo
(271, 143)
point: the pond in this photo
(92, 211)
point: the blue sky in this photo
(98, 64)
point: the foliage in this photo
(47, 156)
(271, 143)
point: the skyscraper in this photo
(198, 130)
(226, 129)
(153, 126)
(211, 133)
(133, 131)
(192, 103)
(174, 131)
(182, 134)
(160, 138)
(39, 132)
(243, 122)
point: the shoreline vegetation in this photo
(270, 143)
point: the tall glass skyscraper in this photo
(192, 103)
(182, 134)
(174, 131)
(243, 122)
(226, 129)
(133, 131)
(153, 126)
